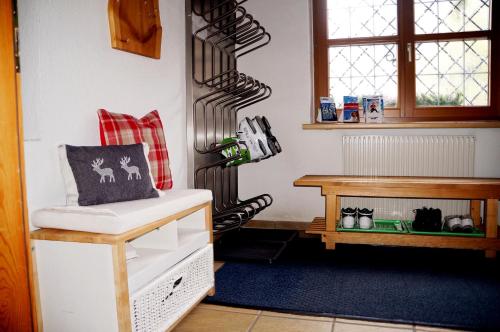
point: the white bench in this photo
(85, 282)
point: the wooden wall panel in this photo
(15, 312)
(135, 26)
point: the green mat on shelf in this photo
(404, 227)
(476, 232)
(380, 226)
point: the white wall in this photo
(69, 70)
(285, 65)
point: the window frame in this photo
(406, 109)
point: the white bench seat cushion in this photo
(117, 218)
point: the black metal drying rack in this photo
(221, 32)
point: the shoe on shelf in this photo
(427, 220)
(435, 223)
(453, 223)
(348, 217)
(365, 218)
(467, 223)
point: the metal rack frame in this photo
(218, 32)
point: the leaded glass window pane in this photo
(441, 16)
(452, 73)
(364, 70)
(362, 18)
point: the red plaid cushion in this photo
(118, 129)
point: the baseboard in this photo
(269, 224)
(299, 226)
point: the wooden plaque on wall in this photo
(135, 26)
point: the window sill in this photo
(398, 125)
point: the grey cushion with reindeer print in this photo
(106, 174)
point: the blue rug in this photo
(446, 288)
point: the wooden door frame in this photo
(14, 230)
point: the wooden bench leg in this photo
(339, 205)
(331, 212)
(475, 212)
(121, 287)
(330, 245)
(331, 218)
(328, 241)
(491, 223)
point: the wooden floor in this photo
(209, 318)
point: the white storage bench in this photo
(85, 282)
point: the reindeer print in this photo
(103, 172)
(130, 169)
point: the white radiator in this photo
(408, 156)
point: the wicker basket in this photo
(158, 305)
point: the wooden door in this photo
(15, 301)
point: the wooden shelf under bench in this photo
(333, 187)
(318, 226)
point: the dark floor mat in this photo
(448, 288)
(253, 245)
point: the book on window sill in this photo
(327, 111)
(351, 109)
(373, 109)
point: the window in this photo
(430, 59)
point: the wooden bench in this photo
(333, 187)
(73, 267)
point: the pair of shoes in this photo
(362, 217)
(254, 142)
(427, 220)
(457, 223)
(256, 135)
